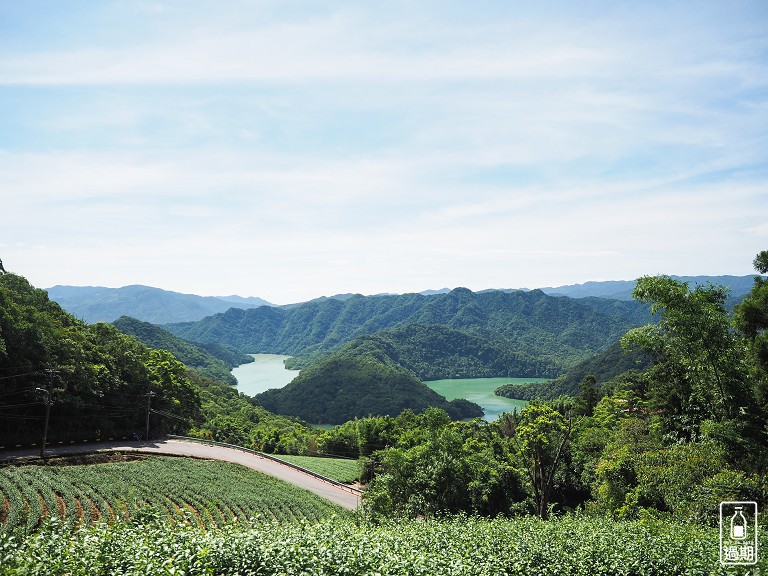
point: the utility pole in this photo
(48, 402)
(149, 396)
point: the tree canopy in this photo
(96, 378)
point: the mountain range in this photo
(99, 304)
(158, 306)
(622, 289)
(364, 355)
(546, 334)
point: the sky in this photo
(292, 149)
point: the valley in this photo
(268, 371)
(400, 383)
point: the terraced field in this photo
(201, 493)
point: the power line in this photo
(27, 366)
(19, 375)
(5, 406)
(169, 415)
(19, 391)
(15, 417)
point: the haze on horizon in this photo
(289, 150)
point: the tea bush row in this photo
(343, 546)
(200, 492)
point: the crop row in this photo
(198, 492)
(457, 546)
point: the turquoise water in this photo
(480, 391)
(268, 371)
(265, 372)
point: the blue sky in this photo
(294, 149)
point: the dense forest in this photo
(553, 332)
(613, 365)
(432, 351)
(96, 382)
(211, 359)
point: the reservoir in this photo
(480, 391)
(268, 371)
(265, 372)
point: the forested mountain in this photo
(94, 378)
(432, 351)
(556, 331)
(357, 381)
(99, 304)
(603, 366)
(212, 359)
(739, 286)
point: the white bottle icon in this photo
(738, 525)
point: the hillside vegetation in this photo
(604, 367)
(433, 350)
(97, 378)
(556, 332)
(211, 359)
(94, 378)
(359, 380)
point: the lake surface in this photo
(268, 371)
(480, 391)
(265, 372)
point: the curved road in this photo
(346, 498)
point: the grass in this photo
(339, 469)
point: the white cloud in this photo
(295, 149)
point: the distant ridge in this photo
(561, 331)
(622, 289)
(100, 304)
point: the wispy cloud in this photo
(294, 149)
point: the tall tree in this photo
(542, 435)
(700, 367)
(751, 319)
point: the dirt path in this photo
(344, 497)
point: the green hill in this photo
(556, 331)
(357, 381)
(95, 378)
(432, 352)
(604, 367)
(211, 359)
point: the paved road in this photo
(344, 497)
